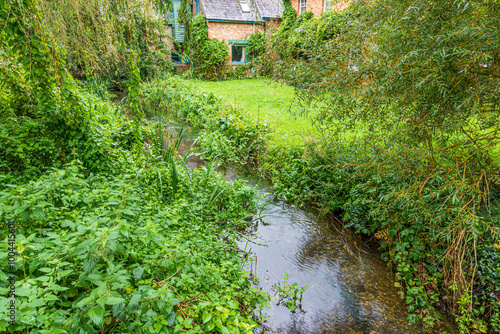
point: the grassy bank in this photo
(268, 102)
(373, 186)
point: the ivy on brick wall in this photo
(209, 56)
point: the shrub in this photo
(256, 44)
(210, 57)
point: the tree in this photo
(415, 83)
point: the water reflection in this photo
(350, 289)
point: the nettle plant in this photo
(112, 234)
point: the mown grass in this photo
(267, 101)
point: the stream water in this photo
(350, 289)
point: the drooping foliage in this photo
(97, 36)
(112, 232)
(408, 90)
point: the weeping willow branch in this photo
(96, 35)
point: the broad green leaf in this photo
(206, 316)
(171, 318)
(114, 300)
(22, 292)
(96, 314)
(138, 272)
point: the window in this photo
(328, 5)
(238, 53)
(178, 58)
(245, 8)
(302, 6)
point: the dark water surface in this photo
(350, 289)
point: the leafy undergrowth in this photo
(414, 202)
(226, 135)
(140, 244)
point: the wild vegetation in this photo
(113, 233)
(411, 158)
(417, 82)
(209, 55)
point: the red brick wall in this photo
(226, 31)
(272, 25)
(314, 6)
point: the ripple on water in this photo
(350, 288)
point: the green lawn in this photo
(267, 101)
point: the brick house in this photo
(318, 6)
(232, 21)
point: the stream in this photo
(349, 288)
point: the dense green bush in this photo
(210, 57)
(224, 134)
(91, 246)
(31, 145)
(256, 44)
(91, 242)
(288, 18)
(112, 231)
(155, 63)
(412, 160)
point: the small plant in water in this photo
(289, 295)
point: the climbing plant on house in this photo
(210, 57)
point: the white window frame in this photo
(302, 6)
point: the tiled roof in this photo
(230, 10)
(269, 8)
